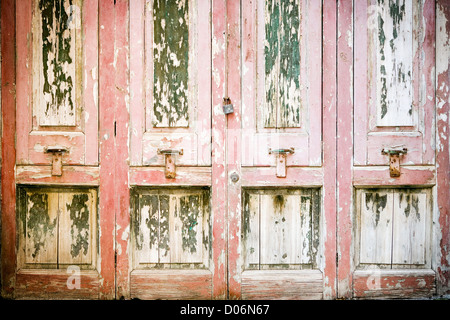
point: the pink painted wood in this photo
(107, 198)
(442, 144)
(8, 149)
(370, 139)
(344, 147)
(233, 146)
(218, 147)
(81, 140)
(329, 96)
(256, 140)
(121, 183)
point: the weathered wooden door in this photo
(276, 160)
(57, 147)
(394, 151)
(170, 149)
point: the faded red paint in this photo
(107, 198)
(8, 101)
(121, 184)
(344, 147)
(233, 147)
(218, 174)
(394, 284)
(443, 154)
(329, 91)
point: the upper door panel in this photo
(170, 83)
(394, 77)
(58, 82)
(281, 76)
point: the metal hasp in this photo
(56, 152)
(281, 160)
(394, 160)
(169, 160)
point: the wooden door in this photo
(280, 235)
(394, 146)
(56, 150)
(170, 149)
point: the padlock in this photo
(227, 106)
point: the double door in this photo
(224, 149)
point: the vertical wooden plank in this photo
(170, 60)
(344, 144)
(107, 200)
(409, 228)
(251, 230)
(219, 176)
(165, 238)
(190, 215)
(282, 64)
(442, 144)
(138, 82)
(306, 231)
(90, 84)
(394, 63)
(42, 228)
(376, 227)
(24, 80)
(75, 228)
(8, 150)
(121, 127)
(148, 232)
(365, 23)
(329, 93)
(234, 136)
(279, 231)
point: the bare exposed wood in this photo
(170, 227)
(53, 284)
(282, 285)
(376, 227)
(395, 63)
(171, 284)
(442, 143)
(282, 64)
(280, 229)
(394, 284)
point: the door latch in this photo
(56, 152)
(281, 155)
(169, 161)
(394, 160)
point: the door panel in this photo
(394, 110)
(170, 93)
(282, 73)
(60, 78)
(170, 125)
(280, 152)
(393, 59)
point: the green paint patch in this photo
(282, 64)
(171, 59)
(376, 203)
(189, 215)
(56, 55)
(39, 225)
(79, 230)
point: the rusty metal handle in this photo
(394, 151)
(170, 151)
(282, 151)
(55, 149)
